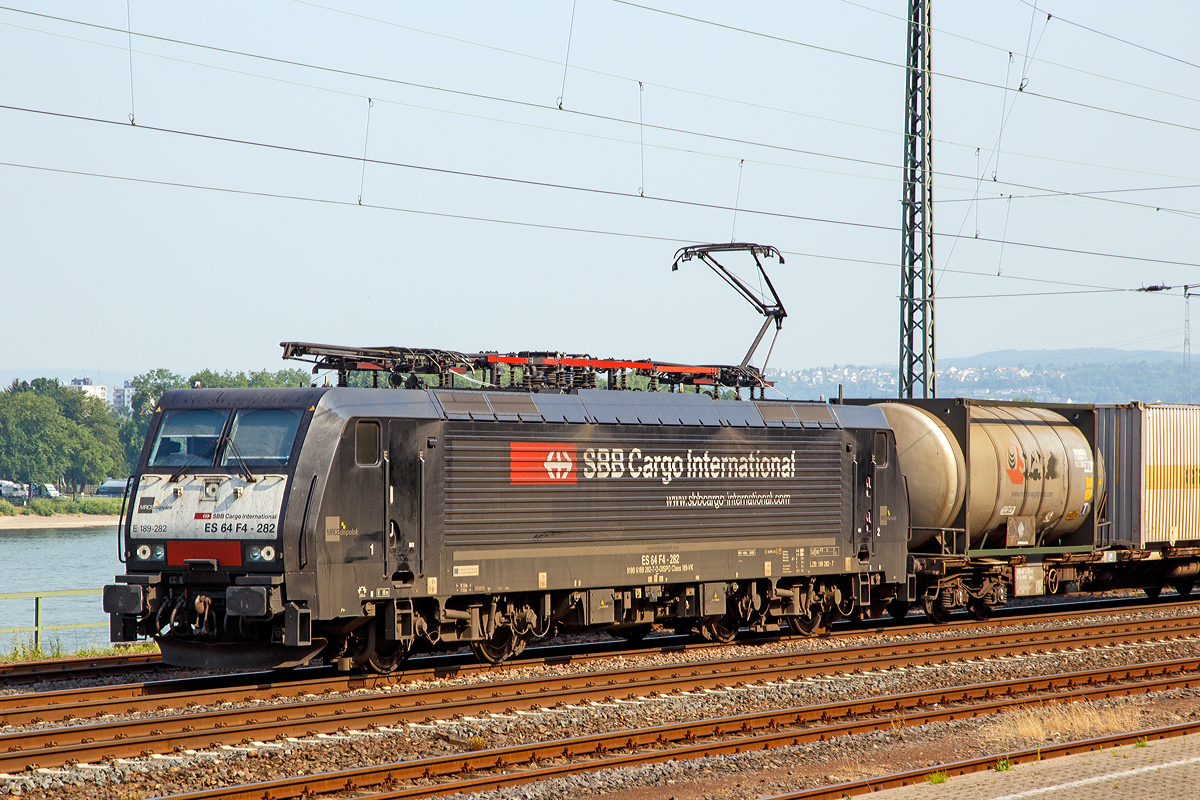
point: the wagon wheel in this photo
(1183, 586)
(937, 613)
(1152, 591)
(386, 656)
(805, 626)
(504, 644)
(721, 629)
(632, 633)
(898, 609)
(979, 610)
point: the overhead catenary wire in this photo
(884, 62)
(1168, 56)
(528, 104)
(129, 50)
(1046, 61)
(641, 145)
(749, 104)
(688, 150)
(585, 114)
(1089, 193)
(499, 221)
(583, 189)
(366, 140)
(567, 57)
(736, 201)
(1029, 294)
(996, 149)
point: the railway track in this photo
(318, 707)
(982, 764)
(28, 672)
(456, 665)
(25, 672)
(526, 763)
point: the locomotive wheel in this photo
(1152, 591)
(898, 609)
(633, 633)
(504, 644)
(979, 610)
(937, 613)
(386, 656)
(721, 629)
(1183, 587)
(805, 626)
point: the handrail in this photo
(55, 593)
(37, 627)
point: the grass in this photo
(22, 649)
(1072, 721)
(1003, 765)
(7, 509)
(44, 507)
(1141, 742)
(937, 777)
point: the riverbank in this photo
(30, 521)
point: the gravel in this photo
(744, 775)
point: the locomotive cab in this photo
(202, 535)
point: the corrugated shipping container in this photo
(1151, 455)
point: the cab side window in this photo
(366, 443)
(879, 456)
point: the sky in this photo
(187, 185)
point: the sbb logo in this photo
(549, 462)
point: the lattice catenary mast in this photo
(918, 375)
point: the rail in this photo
(37, 627)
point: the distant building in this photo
(122, 397)
(86, 386)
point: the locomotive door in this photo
(866, 497)
(880, 488)
(404, 545)
(370, 464)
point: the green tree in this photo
(263, 379)
(150, 387)
(35, 438)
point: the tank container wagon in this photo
(1026, 499)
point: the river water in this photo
(47, 559)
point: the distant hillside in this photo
(1091, 355)
(1038, 375)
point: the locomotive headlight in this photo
(255, 553)
(143, 552)
(159, 552)
(268, 553)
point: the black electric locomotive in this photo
(267, 526)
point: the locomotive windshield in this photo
(257, 437)
(262, 437)
(188, 436)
